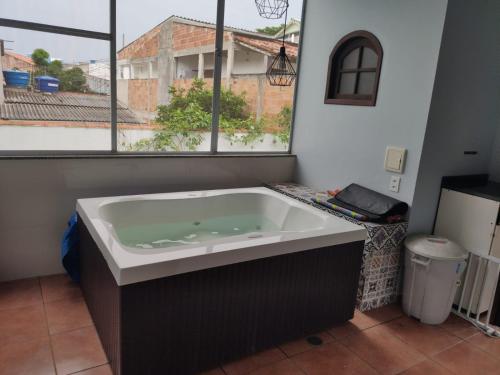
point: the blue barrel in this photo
(47, 84)
(16, 78)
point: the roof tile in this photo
(24, 105)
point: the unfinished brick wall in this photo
(143, 94)
(275, 98)
(145, 46)
(249, 87)
(190, 36)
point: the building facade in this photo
(179, 50)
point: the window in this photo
(148, 77)
(255, 116)
(166, 91)
(354, 70)
(36, 118)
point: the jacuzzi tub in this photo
(181, 283)
(145, 237)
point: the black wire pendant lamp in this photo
(271, 9)
(281, 71)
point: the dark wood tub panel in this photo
(188, 323)
(102, 295)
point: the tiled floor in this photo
(45, 328)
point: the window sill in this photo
(125, 155)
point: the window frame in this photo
(111, 38)
(359, 39)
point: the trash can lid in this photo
(435, 247)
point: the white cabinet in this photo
(468, 220)
(472, 222)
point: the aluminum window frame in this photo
(111, 38)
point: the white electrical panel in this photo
(395, 159)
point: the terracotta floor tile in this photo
(466, 359)
(384, 314)
(488, 344)
(344, 330)
(77, 350)
(27, 357)
(21, 324)
(100, 370)
(331, 358)
(425, 338)
(284, 367)
(299, 346)
(365, 320)
(67, 314)
(56, 287)
(216, 371)
(20, 293)
(427, 367)
(254, 362)
(382, 350)
(459, 327)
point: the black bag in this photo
(377, 207)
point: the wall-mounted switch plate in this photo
(395, 158)
(394, 184)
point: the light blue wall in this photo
(336, 144)
(465, 109)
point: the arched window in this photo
(354, 70)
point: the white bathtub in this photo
(144, 237)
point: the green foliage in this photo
(284, 125)
(40, 57)
(270, 30)
(189, 114)
(72, 80)
(69, 80)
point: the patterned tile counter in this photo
(380, 279)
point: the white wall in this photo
(465, 109)
(336, 144)
(248, 62)
(37, 196)
(96, 139)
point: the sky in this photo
(133, 19)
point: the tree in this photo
(69, 80)
(72, 80)
(182, 122)
(40, 57)
(55, 69)
(270, 30)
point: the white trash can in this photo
(433, 266)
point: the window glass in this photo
(351, 60)
(90, 15)
(347, 83)
(165, 63)
(366, 82)
(56, 93)
(255, 116)
(369, 58)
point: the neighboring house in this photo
(292, 31)
(178, 50)
(13, 60)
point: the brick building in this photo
(178, 50)
(13, 60)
